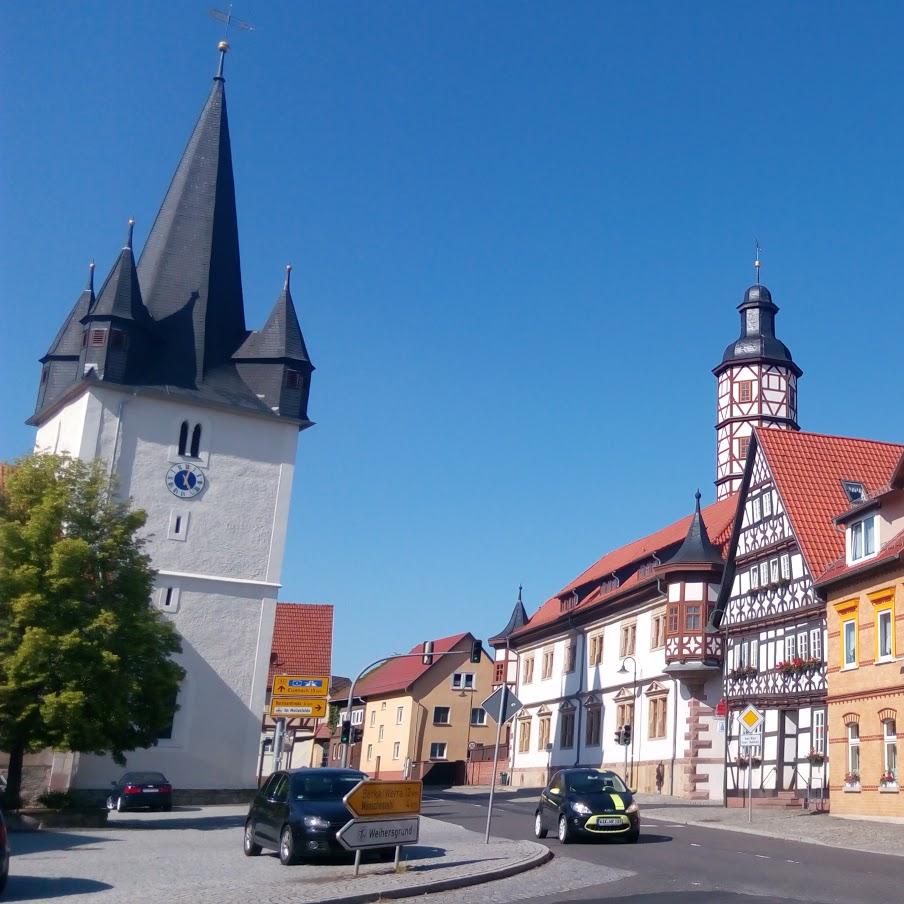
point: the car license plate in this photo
(151, 790)
(608, 821)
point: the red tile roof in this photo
(302, 640)
(890, 550)
(718, 519)
(398, 674)
(808, 469)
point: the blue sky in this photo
(519, 233)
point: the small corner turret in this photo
(274, 362)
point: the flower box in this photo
(743, 673)
(816, 758)
(791, 668)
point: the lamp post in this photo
(623, 671)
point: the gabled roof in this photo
(190, 261)
(893, 549)
(717, 519)
(280, 338)
(808, 469)
(400, 674)
(302, 640)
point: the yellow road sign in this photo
(297, 708)
(378, 798)
(301, 685)
(751, 717)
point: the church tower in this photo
(757, 387)
(198, 421)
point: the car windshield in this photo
(323, 787)
(143, 778)
(594, 783)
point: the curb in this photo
(765, 833)
(543, 855)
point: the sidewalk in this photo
(874, 836)
(136, 857)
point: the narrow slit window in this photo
(196, 441)
(177, 527)
(183, 437)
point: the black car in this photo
(587, 803)
(136, 790)
(298, 813)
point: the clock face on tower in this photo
(185, 480)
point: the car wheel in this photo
(249, 845)
(564, 830)
(633, 837)
(287, 855)
(111, 804)
(539, 831)
(119, 804)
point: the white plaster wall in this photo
(225, 573)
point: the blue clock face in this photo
(185, 480)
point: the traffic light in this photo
(357, 735)
(618, 735)
(626, 734)
(476, 651)
(346, 731)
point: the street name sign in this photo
(510, 706)
(301, 685)
(297, 708)
(374, 798)
(361, 834)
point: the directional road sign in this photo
(379, 798)
(297, 708)
(301, 685)
(359, 834)
(510, 705)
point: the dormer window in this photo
(854, 491)
(862, 539)
(293, 379)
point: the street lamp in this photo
(623, 671)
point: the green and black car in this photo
(587, 803)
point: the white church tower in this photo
(198, 420)
(757, 387)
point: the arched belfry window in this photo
(183, 437)
(196, 441)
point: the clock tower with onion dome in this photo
(198, 419)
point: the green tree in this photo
(85, 661)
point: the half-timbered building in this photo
(773, 619)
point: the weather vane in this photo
(229, 19)
(757, 263)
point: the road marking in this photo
(763, 856)
(792, 861)
(694, 844)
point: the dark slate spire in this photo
(518, 619)
(68, 341)
(696, 548)
(758, 340)
(281, 337)
(120, 295)
(189, 268)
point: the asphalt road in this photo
(677, 863)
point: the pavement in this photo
(194, 854)
(809, 826)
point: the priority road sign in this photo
(384, 798)
(301, 685)
(510, 705)
(751, 718)
(297, 707)
(360, 834)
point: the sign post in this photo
(750, 738)
(504, 704)
(370, 803)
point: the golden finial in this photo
(223, 46)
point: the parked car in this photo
(587, 803)
(298, 813)
(136, 790)
(4, 853)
